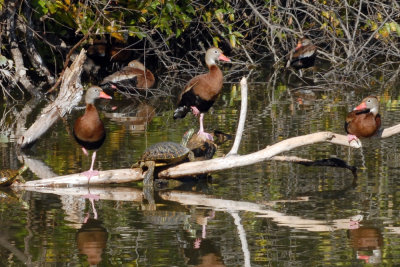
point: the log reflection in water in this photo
(297, 222)
(109, 193)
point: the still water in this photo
(267, 214)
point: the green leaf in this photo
(3, 61)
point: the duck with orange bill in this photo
(88, 129)
(201, 91)
(364, 121)
(135, 75)
(303, 56)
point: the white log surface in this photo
(118, 176)
(69, 96)
(219, 164)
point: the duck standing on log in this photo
(201, 91)
(134, 75)
(88, 129)
(303, 56)
(364, 120)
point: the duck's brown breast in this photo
(207, 86)
(362, 124)
(89, 127)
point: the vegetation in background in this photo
(352, 36)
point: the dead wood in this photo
(242, 117)
(20, 70)
(70, 94)
(105, 177)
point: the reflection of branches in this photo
(242, 236)
(297, 222)
(19, 254)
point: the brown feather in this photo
(362, 124)
(89, 127)
(207, 86)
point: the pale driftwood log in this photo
(242, 118)
(105, 177)
(218, 164)
(69, 96)
(297, 222)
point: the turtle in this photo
(7, 177)
(202, 147)
(162, 154)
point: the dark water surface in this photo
(267, 214)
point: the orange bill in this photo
(104, 95)
(224, 58)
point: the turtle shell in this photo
(165, 152)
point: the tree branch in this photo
(218, 164)
(242, 118)
(70, 94)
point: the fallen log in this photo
(105, 177)
(70, 94)
(234, 161)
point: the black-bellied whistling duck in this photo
(133, 75)
(303, 56)
(89, 129)
(201, 91)
(364, 120)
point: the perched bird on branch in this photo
(201, 91)
(364, 120)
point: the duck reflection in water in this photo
(91, 240)
(367, 242)
(202, 218)
(206, 256)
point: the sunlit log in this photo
(218, 164)
(105, 177)
(69, 96)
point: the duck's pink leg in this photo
(201, 131)
(195, 111)
(85, 151)
(91, 172)
(352, 137)
(91, 198)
